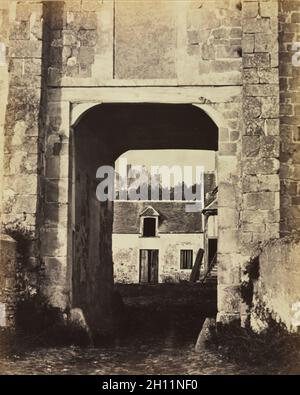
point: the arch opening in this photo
(103, 133)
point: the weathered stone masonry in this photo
(225, 57)
(289, 33)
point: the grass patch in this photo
(275, 346)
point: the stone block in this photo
(274, 59)
(23, 12)
(270, 107)
(73, 5)
(228, 168)
(227, 51)
(250, 76)
(56, 295)
(56, 213)
(250, 183)
(219, 33)
(259, 90)
(228, 240)
(268, 9)
(57, 167)
(268, 76)
(266, 42)
(236, 32)
(223, 134)
(252, 107)
(269, 182)
(227, 194)
(229, 299)
(25, 49)
(227, 318)
(270, 146)
(259, 200)
(25, 204)
(234, 135)
(228, 217)
(254, 227)
(54, 75)
(229, 269)
(57, 191)
(91, 5)
(248, 43)
(87, 38)
(27, 184)
(55, 270)
(260, 216)
(138, 56)
(86, 55)
(225, 65)
(54, 242)
(20, 30)
(205, 334)
(251, 145)
(81, 20)
(250, 9)
(256, 60)
(260, 165)
(208, 52)
(256, 25)
(295, 18)
(227, 149)
(272, 127)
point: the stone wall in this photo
(195, 58)
(105, 42)
(289, 14)
(91, 270)
(260, 151)
(126, 255)
(24, 127)
(23, 142)
(5, 17)
(277, 289)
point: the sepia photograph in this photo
(149, 190)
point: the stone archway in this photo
(103, 133)
(220, 105)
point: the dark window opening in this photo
(212, 250)
(186, 259)
(149, 227)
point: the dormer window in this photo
(149, 222)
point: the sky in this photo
(171, 158)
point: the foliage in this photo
(275, 345)
(25, 270)
(247, 286)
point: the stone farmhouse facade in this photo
(154, 242)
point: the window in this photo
(149, 227)
(186, 259)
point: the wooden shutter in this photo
(144, 278)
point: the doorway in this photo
(101, 136)
(149, 266)
(212, 250)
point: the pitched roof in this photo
(149, 212)
(173, 217)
